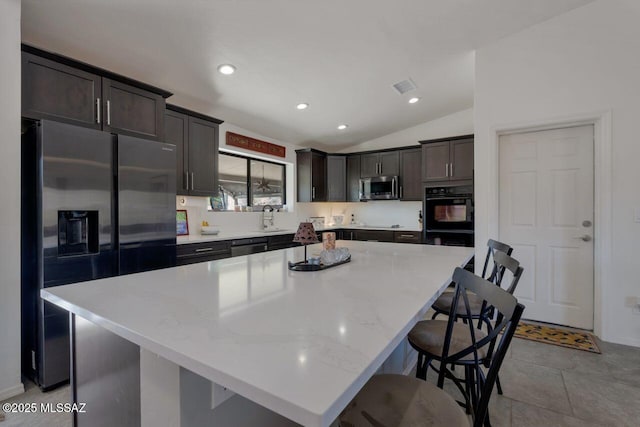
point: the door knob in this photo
(585, 238)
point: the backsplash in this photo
(375, 213)
(383, 213)
(197, 212)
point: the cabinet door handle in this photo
(98, 110)
(192, 180)
(451, 168)
(401, 191)
(446, 169)
(185, 181)
(313, 193)
(108, 113)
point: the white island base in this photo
(137, 387)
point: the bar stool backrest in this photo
(508, 311)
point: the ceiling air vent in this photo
(404, 86)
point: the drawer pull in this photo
(410, 236)
(204, 250)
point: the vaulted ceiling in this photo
(340, 56)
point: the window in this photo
(244, 182)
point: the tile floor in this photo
(544, 385)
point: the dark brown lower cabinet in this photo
(281, 241)
(200, 252)
(407, 236)
(373, 235)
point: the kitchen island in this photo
(167, 347)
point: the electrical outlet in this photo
(633, 303)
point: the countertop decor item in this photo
(329, 240)
(317, 221)
(327, 259)
(305, 235)
(300, 266)
(182, 225)
(209, 230)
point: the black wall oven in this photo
(449, 209)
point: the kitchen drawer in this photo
(201, 252)
(281, 241)
(373, 235)
(407, 236)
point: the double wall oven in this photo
(448, 216)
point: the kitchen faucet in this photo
(267, 217)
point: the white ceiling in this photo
(340, 56)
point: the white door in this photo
(546, 214)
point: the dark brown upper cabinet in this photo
(132, 111)
(55, 91)
(353, 178)
(58, 88)
(447, 160)
(196, 139)
(336, 178)
(410, 174)
(311, 172)
(385, 163)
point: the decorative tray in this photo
(207, 229)
(302, 266)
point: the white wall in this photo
(584, 62)
(10, 207)
(460, 123)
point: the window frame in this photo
(248, 160)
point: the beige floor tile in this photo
(602, 399)
(524, 415)
(534, 384)
(553, 356)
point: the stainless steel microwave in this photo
(379, 188)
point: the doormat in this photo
(557, 336)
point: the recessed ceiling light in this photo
(302, 106)
(226, 69)
(414, 100)
(343, 127)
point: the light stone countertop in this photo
(298, 343)
(242, 234)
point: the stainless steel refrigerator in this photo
(94, 205)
